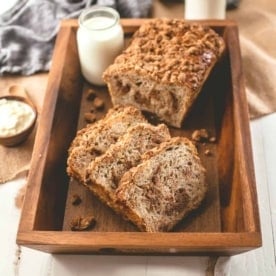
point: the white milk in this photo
(100, 39)
(205, 9)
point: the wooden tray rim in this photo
(51, 241)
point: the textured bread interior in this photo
(95, 139)
(105, 172)
(165, 100)
(164, 68)
(164, 187)
(138, 170)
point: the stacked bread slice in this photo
(93, 140)
(168, 183)
(105, 173)
(138, 170)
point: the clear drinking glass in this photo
(205, 9)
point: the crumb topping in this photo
(171, 51)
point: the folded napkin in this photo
(29, 29)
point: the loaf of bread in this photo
(105, 172)
(167, 184)
(137, 169)
(93, 140)
(164, 68)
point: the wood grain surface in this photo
(226, 223)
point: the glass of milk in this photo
(100, 39)
(205, 9)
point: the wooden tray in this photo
(226, 223)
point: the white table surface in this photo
(25, 262)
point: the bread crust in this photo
(164, 68)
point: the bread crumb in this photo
(200, 135)
(207, 152)
(90, 117)
(212, 139)
(98, 103)
(91, 95)
(82, 223)
(92, 109)
(76, 200)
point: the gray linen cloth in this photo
(28, 30)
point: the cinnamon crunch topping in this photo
(172, 51)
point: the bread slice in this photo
(95, 139)
(164, 68)
(167, 184)
(106, 171)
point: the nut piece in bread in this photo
(105, 172)
(164, 68)
(164, 187)
(95, 139)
